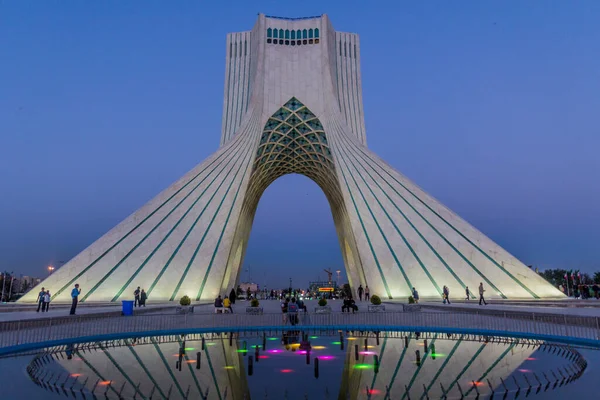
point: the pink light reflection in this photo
(367, 353)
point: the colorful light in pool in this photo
(242, 351)
(273, 338)
(351, 338)
(75, 375)
(531, 358)
(104, 383)
(326, 357)
(263, 357)
(314, 337)
(229, 367)
(319, 347)
(286, 371)
(363, 366)
(190, 348)
(524, 370)
(302, 352)
(274, 351)
(367, 353)
(336, 343)
(476, 383)
(190, 361)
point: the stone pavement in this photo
(587, 308)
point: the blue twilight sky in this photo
(492, 107)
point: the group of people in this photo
(224, 303)
(582, 291)
(140, 297)
(364, 292)
(290, 309)
(446, 294)
(349, 304)
(44, 298)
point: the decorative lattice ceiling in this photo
(293, 141)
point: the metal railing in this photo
(42, 331)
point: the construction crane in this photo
(329, 273)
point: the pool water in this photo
(297, 365)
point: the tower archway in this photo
(293, 141)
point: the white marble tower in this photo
(293, 104)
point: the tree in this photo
(555, 277)
(597, 277)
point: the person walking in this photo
(481, 290)
(367, 293)
(232, 296)
(143, 297)
(360, 292)
(446, 292)
(415, 295)
(467, 293)
(46, 305)
(40, 299)
(136, 296)
(74, 295)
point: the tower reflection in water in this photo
(293, 364)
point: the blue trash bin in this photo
(127, 307)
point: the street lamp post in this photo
(50, 269)
(290, 286)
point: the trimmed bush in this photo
(411, 300)
(185, 301)
(322, 302)
(375, 300)
(254, 303)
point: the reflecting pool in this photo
(299, 365)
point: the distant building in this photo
(253, 287)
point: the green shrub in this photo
(411, 300)
(322, 302)
(185, 301)
(254, 303)
(375, 300)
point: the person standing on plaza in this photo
(367, 293)
(467, 293)
(46, 305)
(360, 292)
(143, 297)
(41, 299)
(136, 296)
(75, 296)
(232, 296)
(481, 290)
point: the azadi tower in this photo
(293, 104)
